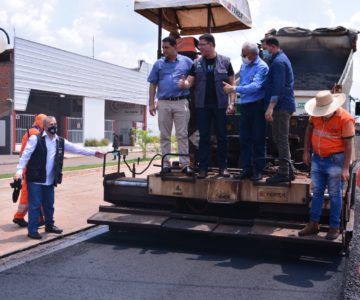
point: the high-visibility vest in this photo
(26, 136)
(186, 44)
(328, 134)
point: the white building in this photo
(89, 98)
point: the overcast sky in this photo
(123, 37)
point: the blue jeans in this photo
(204, 118)
(40, 195)
(326, 172)
(252, 136)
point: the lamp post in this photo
(6, 105)
(4, 43)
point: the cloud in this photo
(355, 20)
(123, 36)
(28, 19)
(331, 15)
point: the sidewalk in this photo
(76, 199)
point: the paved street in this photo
(158, 266)
(177, 266)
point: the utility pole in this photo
(93, 47)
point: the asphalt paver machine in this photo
(226, 206)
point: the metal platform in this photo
(129, 218)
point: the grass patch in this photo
(7, 175)
(85, 167)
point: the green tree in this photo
(156, 143)
(142, 138)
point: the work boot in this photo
(188, 171)
(279, 178)
(333, 233)
(310, 228)
(244, 174)
(165, 170)
(53, 229)
(257, 176)
(34, 236)
(21, 222)
(202, 174)
(224, 172)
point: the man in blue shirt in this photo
(253, 74)
(173, 102)
(280, 94)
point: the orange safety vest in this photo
(185, 44)
(328, 134)
(26, 136)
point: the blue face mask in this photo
(266, 54)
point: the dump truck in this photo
(217, 206)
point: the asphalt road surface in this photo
(147, 265)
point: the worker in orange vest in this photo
(23, 206)
(330, 132)
(186, 46)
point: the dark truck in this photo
(322, 59)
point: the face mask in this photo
(266, 54)
(52, 129)
(245, 60)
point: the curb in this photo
(50, 240)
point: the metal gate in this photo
(23, 123)
(74, 129)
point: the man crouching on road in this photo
(330, 131)
(43, 157)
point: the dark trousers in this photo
(280, 131)
(252, 136)
(205, 117)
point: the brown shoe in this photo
(310, 228)
(202, 174)
(224, 172)
(333, 233)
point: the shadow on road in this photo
(301, 265)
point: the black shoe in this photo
(165, 170)
(278, 178)
(188, 171)
(35, 236)
(257, 176)
(243, 174)
(53, 229)
(202, 174)
(224, 173)
(21, 222)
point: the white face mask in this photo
(246, 61)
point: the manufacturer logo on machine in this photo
(178, 191)
(272, 195)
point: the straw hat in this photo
(324, 103)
